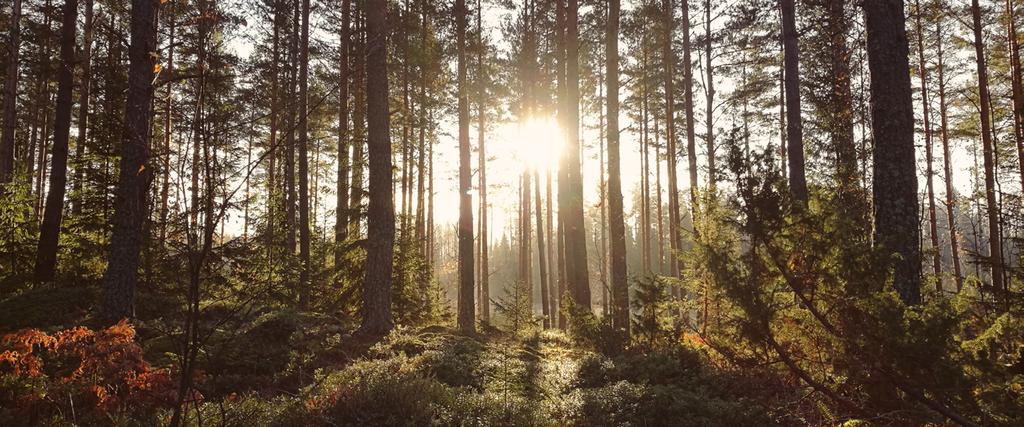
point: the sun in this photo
(537, 142)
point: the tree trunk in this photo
(570, 192)
(10, 121)
(83, 108)
(341, 212)
(691, 138)
(994, 242)
(541, 259)
(165, 185)
(272, 148)
(358, 129)
(616, 223)
(304, 159)
(467, 318)
(894, 189)
(485, 287)
(1016, 85)
(671, 150)
(947, 170)
(710, 103)
(49, 231)
(929, 171)
(129, 210)
(794, 124)
(377, 318)
(841, 107)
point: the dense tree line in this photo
(830, 188)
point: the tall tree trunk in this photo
(49, 231)
(995, 246)
(794, 124)
(358, 128)
(645, 170)
(841, 108)
(83, 108)
(710, 103)
(947, 170)
(467, 318)
(616, 223)
(896, 211)
(10, 121)
(377, 318)
(341, 212)
(570, 192)
(691, 138)
(1016, 84)
(485, 287)
(291, 195)
(922, 73)
(553, 277)
(165, 185)
(403, 28)
(541, 259)
(130, 208)
(272, 143)
(304, 159)
(671, 150)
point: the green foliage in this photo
(805, 285)
(516, 310)
(650, 311)
(47, 308)
(629, 404)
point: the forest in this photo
(445, 213)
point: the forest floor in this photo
(434, 376)
(288, 368)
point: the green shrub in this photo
(628, 404)
(378, 392)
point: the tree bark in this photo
(710, 102)
(671, 150)
(49, 231)
(995, 246)
(951, 220)
(691, 138)
(304, 159)
(541, 259)
(83, 108)
(570, 193)
(467, 318)
(130, 205)
(894, 188)
(10, 120)
(922, 73)
(485, 287)
(165, 185)
(377, 318)
(341, 212)
(616, 223)
(359, 103)
(794, 124)
(1016, 85)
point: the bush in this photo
(93, 375)
(628, 404)
(377, 392)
